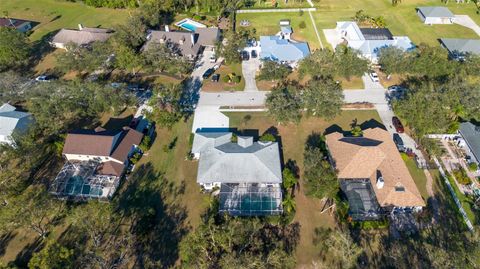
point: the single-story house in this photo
(369, 41)
(187, 44)
(247, 173)
(18, 24)
(372, 174)
(12, 121)
(81, 37)
(96, 159)
(435, 15)
(458, 48)
(470, 140)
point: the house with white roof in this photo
(435, 15)
(368, 41)
(247, 174)
(12, 121)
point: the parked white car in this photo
(44, 78)
(374, 77)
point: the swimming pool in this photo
(190, 25)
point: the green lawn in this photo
(418, 175)
(466, 201)
(54, 14)
(268, 24)
(401, 20)
(293, 139)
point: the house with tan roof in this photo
(96, 159)
(372, 174)
(186, 44)
(81, 37)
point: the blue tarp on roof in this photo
(277, 49)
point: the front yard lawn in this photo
(293, 138)
(417, 174)
(220, 86)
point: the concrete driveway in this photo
(209, 117)
(251, 99)
(249, 70)
(373, 93)
(466, 21)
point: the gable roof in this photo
(203, 140)
(207, 36)
(436, 12)
(102, 143)
(12, 120)
(189, 47)
(355, 159)
(277, 49)
(81, 37)
(461, 46)
(471, 135)
(227, 162)
(110, 168)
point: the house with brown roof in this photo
(96, 159)
(17, 24)
(372, 174)
(187, 44)
(81, 37)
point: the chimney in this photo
(182, 40)
(80, 27)
(380, 181)
(245, 141)
(167, 29)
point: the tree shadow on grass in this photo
(157, 225)
(24, 256)
(4, 241)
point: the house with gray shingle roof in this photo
(435, 15)
(12, 121)
(247, 173)
(458, 48)
(81, 37)
(470, 141)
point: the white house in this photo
(247, 173)
(12, 121)
(435, 15)
(368, 41)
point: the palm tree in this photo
(289, 179)
(289, 203)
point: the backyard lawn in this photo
(401, 19)
(268, 24)
(52, 15)
(293, 139)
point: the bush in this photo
(198, 17)
(300, 12)
(267, 138)
(473, 167)
(237, 79)
(146, 143)
(234, 138)
(302, 25)
(226, 79)
(461, 176)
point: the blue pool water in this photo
(187, 26)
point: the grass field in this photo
(225, 70)
(52, 15)
(418, 175)
(401, 20)
(293, 139)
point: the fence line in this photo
(271, 10)
(455, 198)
